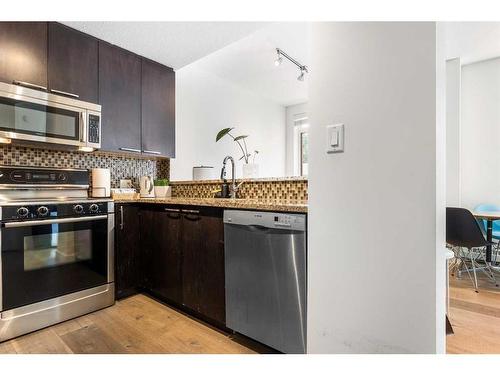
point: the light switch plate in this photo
(334, 138)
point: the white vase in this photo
(163, 191)
(250, 170)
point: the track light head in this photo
(279, 59)
(301, 76)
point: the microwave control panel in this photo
(94, 123)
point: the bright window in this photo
(301, 146)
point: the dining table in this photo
(489, 217)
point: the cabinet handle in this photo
(64, 93)
(172, 210)
(191, 211)
(129, 149)
(152, 152)
(29, 85)
(121, 218)
(192, 217)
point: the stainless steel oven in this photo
(57, 254)
(37, 116)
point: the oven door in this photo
(49, 258)
(37, 120)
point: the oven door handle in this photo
(18, 224)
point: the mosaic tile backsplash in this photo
(121, 166)
(268, 189)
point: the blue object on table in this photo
(496, 224)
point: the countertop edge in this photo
(224, 203)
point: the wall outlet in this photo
(125, 184)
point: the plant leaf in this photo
(256, 151)
(222, 133)
(240, 137)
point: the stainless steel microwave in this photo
(38, 116)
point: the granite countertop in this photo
(253, 204)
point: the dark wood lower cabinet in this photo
(203, 262)
(160, 233)
(183, 252)
(128, 263)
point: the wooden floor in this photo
(137, 324)
(475, 317)
(140, 324)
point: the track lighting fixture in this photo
(279, 60)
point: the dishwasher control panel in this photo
(266, 219)
(283, 220)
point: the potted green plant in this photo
(162, 188)
(250, 168)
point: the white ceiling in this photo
(249, 62)
(174, 44)
(472, 41)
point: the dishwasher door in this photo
(265, 263)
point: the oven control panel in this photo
(10, 175)
(53, 210)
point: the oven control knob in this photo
(42, 211)
(94, 208)
(22, 212)
(78, 209)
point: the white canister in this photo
(101, 182)
(203, 173)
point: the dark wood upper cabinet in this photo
(23, 52)
(120, 97)
(73, 62)
(158, 109)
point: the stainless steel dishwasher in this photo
(265, 261)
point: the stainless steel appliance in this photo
(38, 116)
(57, 248)
(265, 261)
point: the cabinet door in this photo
(73, 62)
(161, 228)
(203, 262)
(23, 52)
(120, 97)
(158, 109)
(127, 241)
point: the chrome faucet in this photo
(234, 188)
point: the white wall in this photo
(291, 112)
(453, 72)
(375, 279)
(480, 134)
(472, 41)
(205, 103)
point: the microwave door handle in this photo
(82, 126)
(30, 223)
